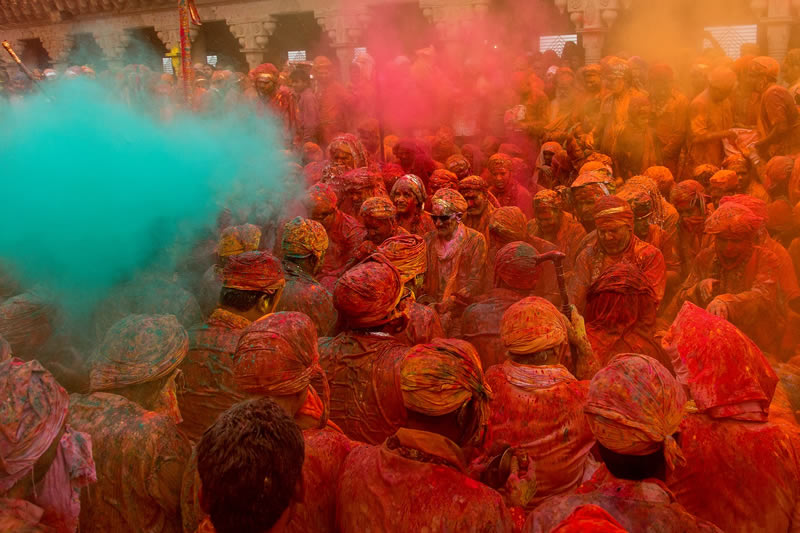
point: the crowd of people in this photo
(568, 304)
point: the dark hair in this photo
(250, 461)
(634, 467)
(239, 300)
(299, 75)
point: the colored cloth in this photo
(515, 265)
(414, 183)
(253, 271)
(705, 117)
(305, 294)
(304, 238)
(442, 179)
(645, 505)
(665, 215)
(138, 349)
(670, 121)
(480, 324)
(514, 195)
(363, 373)
(209, 389)
(413, 482)
(449, 201)
(589, 518)
(533, 325)
(424, 325)
(236, 240)
(140, 458)
(567, 239)
(407, 254)
(777, 109)
(455, 266)
(366, 295)
(26, 322)
(378, 207)
(22, 515)
(539, 410)
(345, 235)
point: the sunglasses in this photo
(442, 218)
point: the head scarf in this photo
(500, 161)
(303, 238)
(634, 406)
(590, 518)
(441, 178)
(757, 206)
(360, 179)
(736, 162)
(688, 193)
(138, 349)
(662, 176)
(253, 271)
(407, 254)
(378, 207)
(702, 173)
(533, 325)
(780, 216)
(457, 162)
(596, 166)
(415, 184)
(264, 69)
(236, 240)
(442, 377)
(651, 186)
(508, 224)
(473, 183)
(548, 198)
(766, 66)
(367, 294)
(449, 201)
(515, 265)
(26, 322)
(733, 221)
(611, 210)
(729, 377)
(722, 78)
(724, 180)
(32, 412)
(599, 179)
(349, 143)
(778, 171)
(277, 356)
(636, 196)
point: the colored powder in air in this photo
(95, 191)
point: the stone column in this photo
(58, 42)
(252, 25)
(777, 18)
(592, 19)
(345, 30)
(112, 41)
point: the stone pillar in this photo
(345, 30)
(58, 42)
(592, 19)
(113, 42)
(252, 25)
(777, 17)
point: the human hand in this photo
(718, 308)
(706, 288)
(520, 487)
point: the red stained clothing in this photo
(415, 482)
(567, 239)
(455, 267)
(669, 128)
(424, 325)
(480, 223)
(666, 244)
(363, 373)
(21, 516)
(639, 506)
(777, 108)
(707, 116)
(304, 294)
(514, 195)
(345, 235)
(209, 388)
(480, 324)
(742, 476)
(539, 410)
(140, 457)
(420, 224)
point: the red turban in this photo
(407, 254)
(589, 519)
(367, 294)
(508, 224)
(253, 271)
(360, 179)
(277, 356)
(594, 177)
(756, 206)
(724, 180)
(515, 264)
(733, 221)
(32, 412)
(138, 349)
(612, 210)
(473, 183)
(729, 377)
(778, 171)
(264, 69)
(378, 207)
(688, 193)
(634, 406)
(322, 195)
(500, 161)
(441, 178)
(26, 322)
(448, 202)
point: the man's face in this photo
(592, 82)
(642, 214)
(343, 157)
(476, 202)
(371, 139)
(324, 214)
(207, 71)
(585, 198)
(500, 177)
(692, 218)
(614, 237)
(744, 180)
(298, 86)
(641, 116)
(405, 157)
(759, 82)
(265, 84)
(357, 197)
(547, 157)
(322, 74)
(403, 199)
(732, 252)
(616, 84)
(378, 229)
(549, 219)
(446, 224)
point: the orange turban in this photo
(277, 356)
(725, 180)
(378, 207)
(32, 412)
(596, 166)
(303, 238)
(634, 406)
(662, 176)
(688, 193)
(449, 202)
(533, 325)
(473, 183)
(236, 240)
(548, 198)
(253, 271)
(442, 377)
(508, 224)
(515, 264)
(138, 349)
(765, 65)
(589, 518)
(703, 173)
(367, 294)
(778, 171)
(322, 195)
(733, 221)
(722, 78)
(407, 254)
(610, 210)
(736, 162)
(441, 178)
(599, 179)
(499, 162)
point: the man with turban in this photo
(778, 118)
(407, 254)
(459, 165)
(586, 190)
(251, 288)
(543, 175)
(592, 81)
(735, 278)
(782, 178)
(635, 149)
(332, 97)
(551, 223)
(746, 185)
(456, 259)
(634, 407)
(130, 414)
(479, 207)
(345, 233)
(380, 220)
(347, 153)
(722, 183)
(408, 195)
(422, 466)
(731, 385)
(615, 242)
(361, 361)
(270, 97)
(277, 357)
(442, 179)
(689, 200)
(538, 404)
(614, 107)
(504, 187)
(304, 245)
(45, 461)
(670, 109)
(413, 159)
(711, 119)
(357, 185)
(664, 179)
